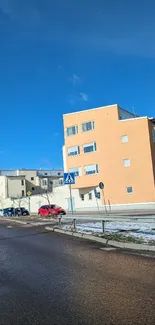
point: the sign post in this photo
(101, 186)
(69, 179)
(96, 196)
(29, 197)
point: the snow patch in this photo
(138, 230)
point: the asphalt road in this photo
(47, 278)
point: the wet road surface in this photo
(47, 278)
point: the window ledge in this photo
(86, 153)
(91, 174)
(88, 131)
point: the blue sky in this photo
(66, 56)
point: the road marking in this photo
(9, 227)
(108, 249)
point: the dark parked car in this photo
(10, 212)
(21, 212)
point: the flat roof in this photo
(91, 109)
(133, 118)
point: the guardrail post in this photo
(103, 226)
(60, 222)
(74, 224)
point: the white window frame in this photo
(88, 170)
(74, 170)
(124, 138)
(128, 188)
(73, 151)
(127, 163)
(91, 144)
(92, 126)
(70, 127)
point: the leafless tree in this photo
(46, 196)
(18, 201)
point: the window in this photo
(98, 195)
(22, 182)
(72, 130)
(91, 169)
(153, 132)
(45, 174)
(82, 197)
(23, 193)
(76, 170)
(44, 182)
(129, 189)
(33, 188)
(124, 138)
(90, 196)
(74, 151)
(90, 147)
(61, 181)
(32, 178)
(126, 162)
(88, 126)
(59, 174)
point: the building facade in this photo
(113, 146)
(16, 183)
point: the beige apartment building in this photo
(111, 145)
(17, 183)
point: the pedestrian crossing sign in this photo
(69, 178)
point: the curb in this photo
(113, 243)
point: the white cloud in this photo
(75, 79)
(84, 97)
(73, 99)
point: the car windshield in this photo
(54, 206)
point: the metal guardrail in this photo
(107, 219)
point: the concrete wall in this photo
(61, 197)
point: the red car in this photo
(50, 210)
